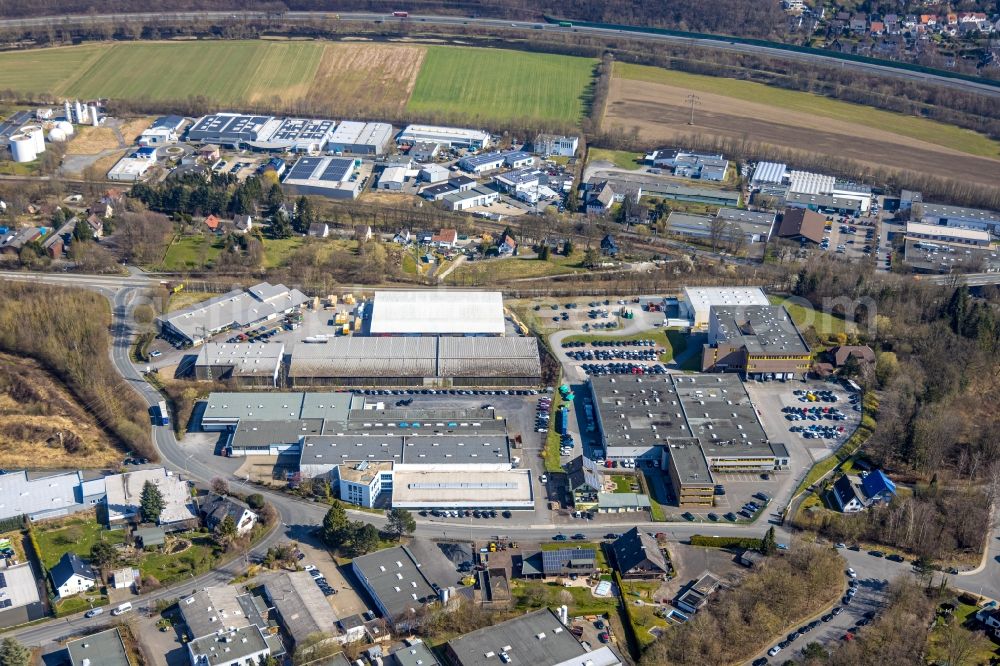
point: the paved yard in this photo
(347, 601)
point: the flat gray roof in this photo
(20, 495)
(415, 654)
(638, 411)
(943, 211)
(211, 609)
(18, 586)
(689, 461)
(718, 410)
(537, 639)
(230, 407)
(394, 578)
(423, 449)
(762, 329)
(246, 359)
(229, 647)
(265, 433)
(105, 648)
(489, 357)
(303, 608)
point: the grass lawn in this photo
(79, 603)
(805, 316)
(657, 504)
(622, 159)
(533, 594)
(623, 484)
(168, 567)
(941, 134)
(672, 341)
(642, 617)
(276, 251)
(499, 85)
(937, 642)
(489, 271)
(409, 263)
(552, 440)
(183, 299)
(189, 252)
(77, 534)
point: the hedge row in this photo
(750, 543)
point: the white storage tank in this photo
(95, 119)
(23, 148)
(68, 110)
(66, 127)
(37, 135)
(56, 135)
(78, 115)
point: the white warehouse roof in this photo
(437, 313)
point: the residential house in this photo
(507, 245)
(608, 246)
(212, 222)
(862, 353)
(243, 224)
(876, 28)
(402, 237)
(696, 596)
(445, 238)
(600, 199)
(582, 484)
(363, 233)
(858, 23)
(216, 508)
(319, 230)
(71, 575)
(852, 494)
(125, 578)
(638, 556)
(989, 615)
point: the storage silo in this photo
(79, 113)
(56, 135)
(38, 136)
(69, 113)
(22, 147)
(94, 118)
(66, 127)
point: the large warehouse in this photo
(252, 364)
(453, 137)
(334, 177)
(236, 309)
(361, 138)
(757, 341)
(437, 313)
(697, 302)
(301, 135)
(416, 361)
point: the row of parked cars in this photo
(464, 513)
(618, 368)
(542, 414)
(320, 579)
(447, 391)
(614, 354)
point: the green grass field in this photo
(78, 535)
(941, 134)
(825, 323)
(491, 271)
(622, 159)
(492, 84)
(188, 252)
(46, 70)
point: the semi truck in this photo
(162, 415)
(562, 420)
(401, 14)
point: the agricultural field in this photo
(655, 101)
(43, 426)
(487, 84)
(456, 83)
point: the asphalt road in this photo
(720, 43)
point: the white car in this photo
(852, 573)
(543, 478)
(309, 567)
(773, 651)
(154, 354)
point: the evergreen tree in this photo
(82, 233)
(768, 545)
(12, 653)
(225, 531)
(568, 247)
(543, 254)
(103, 554)
(365, 538)
(400, 522)
(151, 504)
(336, 525)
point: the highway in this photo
(969, 279)
(720, 43)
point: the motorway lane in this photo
(721, 43)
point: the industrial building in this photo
(20, 600)
(303, 610)
(802, 224)
(104, 648)
(696, 302)
(549, 145)
(235, 309)
(486, 162)
(724, 227)
(826, 203)
(248, 364)
(416, 361)
(650, 185)
(395, 582)
(40, 496)
(472, 198)
(948, 234)
(266, 133)
(768, 173)
(453, 137)
(392, 178)
(660, 421)
(124, 497)
(538, 638)
(434, 173)
(334, 177)
(686, 164)
(360, 138)
(956, 216)
(164, 131)
(437, 312)
(757, 341)
(134, 167)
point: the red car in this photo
(603, 637)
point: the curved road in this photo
(720, 43)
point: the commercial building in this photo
(826, 203)
(232, 647)
(213, 610)
(224, 411)
(294, 135)
(392, 178)
(768, 173)
(40, 496)
(757, 341)
(249, 364)
(441, 488)
(393, 579)
(696, 302)
(549, 145)
(956, 216)
(439, 191)
(686, 164)
(663, 187)
(539, 638)
(104, 648)
(334, 177)
(134, 167)
(232, 129)
(474, 197)
(755, 225)
(163, 131)
(124, 498)
(453, 137)
(360, 138)
(637, 556)
(690, 474)
(948, 234)
(236, 309)
(437, 312)
(20, 600)
(304, 613)
(434, 173)
(421, 361)
(802, 224)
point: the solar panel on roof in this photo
(304, 168)
(337, 170)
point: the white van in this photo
(123, 608)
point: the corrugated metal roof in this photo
(437, 312)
